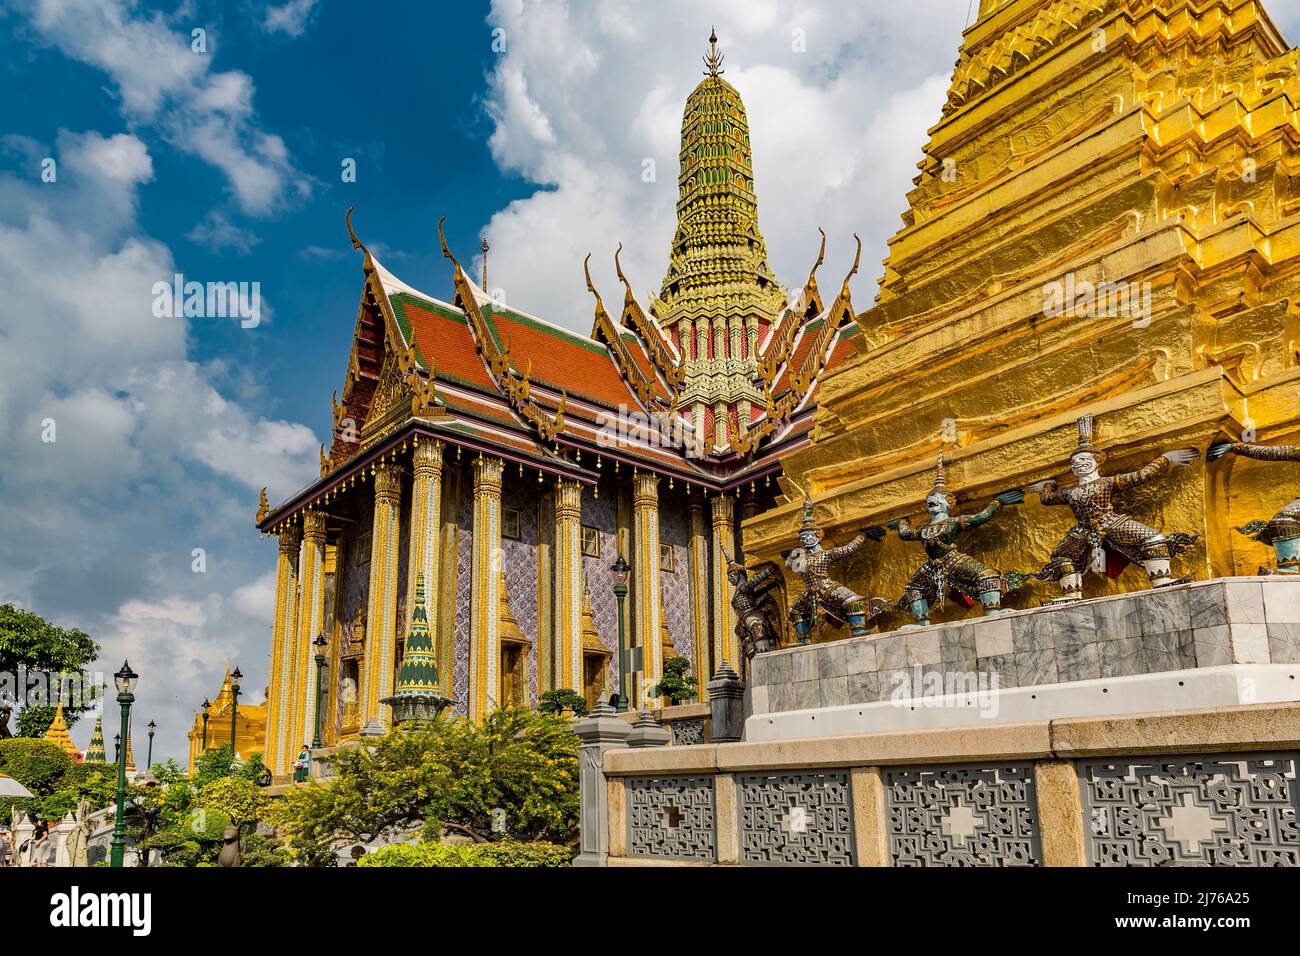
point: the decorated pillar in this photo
(546, 647)
(700, 596)
(568, 585)
(311, 611)
(724, 536)
(751, 339)
(381, 637)
(485, 573)
(426, 527)
(280, 712)
(645, 573)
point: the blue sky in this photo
(534, 122)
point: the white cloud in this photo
(161, 79)
(218, 233)
(587, 91)
(290, 18)
(151, 459)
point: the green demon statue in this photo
(1283, 531)
(948, 570)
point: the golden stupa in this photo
(58, 734)
(1106, 221)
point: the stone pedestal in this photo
(727, 701)
(647, 732)
(602, 730)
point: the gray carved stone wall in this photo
(671, 818)
(687, 732)
(1229, 810)
(962, 816)
(801, 819)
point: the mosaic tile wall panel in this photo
(962, 816)
(799, 819)
(1229, 810)
(602, 513)
(403, 563)
(675, 530)
(520, 565)
(671, 818)
(464, 581)
(356, 588)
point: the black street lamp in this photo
(125, 680)
(621, 571)
(234, 706)
(148, 762)
(320, 644)
(207, 706)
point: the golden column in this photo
(568, 585)
(426, 527)
(645, 573)
(381, 633)
(311, 614)
(724, 535)
(700, 593)
(280, 701)
(484, 634)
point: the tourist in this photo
(41, 845)
(6, 847)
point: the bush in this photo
(241, 800)
(517, 762)
(675, 685)
(505, 853)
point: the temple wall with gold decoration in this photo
(1121, 141)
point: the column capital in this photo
(388, 481)
(290, 538)
(426, 459)
(568, 499)
(487, 474)
(645, 490)
(724, 509)
(313, 526)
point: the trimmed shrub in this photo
(506, 853)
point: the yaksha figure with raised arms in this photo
(812, 563)
(950, 571)
(1283, 531)
(754, 631)
(1124, 539)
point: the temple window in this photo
(590, 541)
(510, 524)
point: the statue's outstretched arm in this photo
(844, 550)
(1153, 469)
(975, 520)
(1267, 452)
(905, 530)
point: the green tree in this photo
(675, 685)
(555, 701)
(28, 640)
(517, 762)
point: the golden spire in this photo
(484, 247)
(714, 59)
(58, 734)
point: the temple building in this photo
(510, 462)
(214, 731)
(58, 735)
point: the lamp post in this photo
(320, 644)
(125, 681)
(207, 706)
(148, 761)
(234, 706)
(621, 571)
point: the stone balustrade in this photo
(1215, 787)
